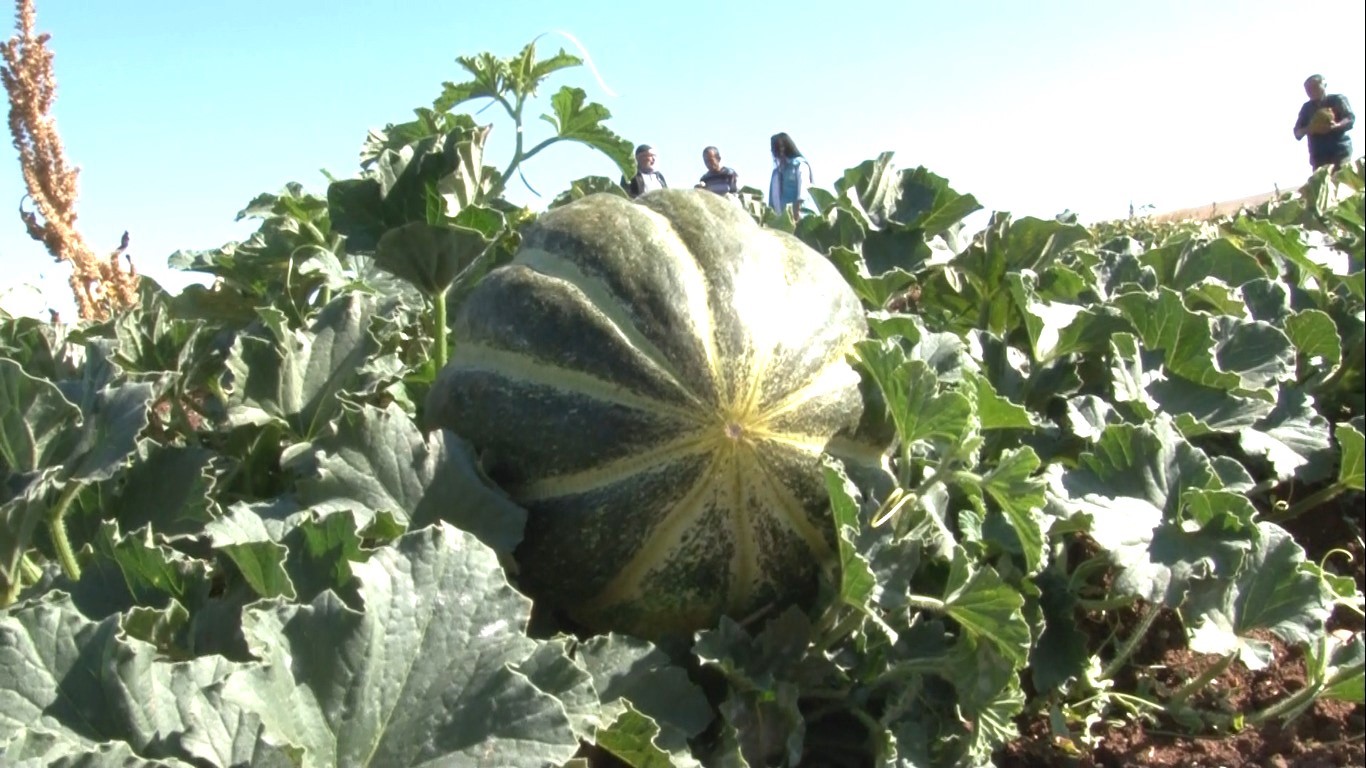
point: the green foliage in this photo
(224, 540)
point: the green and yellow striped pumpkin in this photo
(655, 381)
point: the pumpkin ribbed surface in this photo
(655, 382)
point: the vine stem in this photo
(850, 622)
(1127, 649)
(439, 319)
(1321, 496)
(31, 572)
(57, 530)
(1201, 680)
(923, 603)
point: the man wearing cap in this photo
(646, 178)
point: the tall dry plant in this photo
(101, 285)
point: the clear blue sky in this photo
(179, 112)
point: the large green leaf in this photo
(987, 608)
(629, 670)
(576, 121)
(1259, 353)
(1019, 493)
(631, 739)
(301, 553)
(1183, 264)
(296, 380)
(152, 572)
(424, 674)
(1199, 409)
(377, 459)
(20, 515)
(1164, 323)
(1315, 337)
(1060, 653)
(113, 421)
(1132, 485)
(1293, 438)
(82, 686)
(1282, 242)
(1044, 321)
(35, 423)
(856, 582)
(993, 410)
(1270, 592)
(427, 171)
(1130, 372)
(39, 347)
(910, 389)
(913, 199)
(1352, 468)
(429, 257)
(167, 487)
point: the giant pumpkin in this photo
(655, 382)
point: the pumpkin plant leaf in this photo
(429, 257)
(1271, 591)
(1315, 337)
(425, 673)
(910, 389)
(1012, 484)
(987, 608)
(377, 459)
(993, 410)
(85, 690)
(1131, 486)
(856, 579)
(167, 487)
(1352, 469)
(37, 421)
(1184, 337)
(296, 381)
(576, 121)
(1293, 438)
(626, 669)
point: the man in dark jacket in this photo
(646, 178)
(1329, 143)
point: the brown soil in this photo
(1330, 734)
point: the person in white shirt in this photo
(646, 178)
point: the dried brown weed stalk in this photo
(101, 285)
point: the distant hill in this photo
(1216, 210)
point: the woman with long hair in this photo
(791, 176)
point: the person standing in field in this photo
(1325, 119)
(718, 178)
(791, 176)
(646, 178)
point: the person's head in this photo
(783, 146)
(1315, 87)
(712, 157)
(645, 158)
